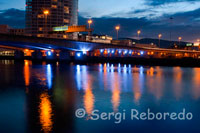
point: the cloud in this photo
(162, 2)
(185, 24)
(13, 17)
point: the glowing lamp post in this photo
(138, 33)
(90, 22)
(159, 37)
(46, 13)
(89, 33)
(179, 39)
(117, 29)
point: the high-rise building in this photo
(44, 15)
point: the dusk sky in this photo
(150, 16)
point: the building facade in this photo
(43, 15)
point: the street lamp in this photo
(117, 29)
(90, 31)
(138, 33)
(159, 36)
(180, 38)
(46, 13)
(198, 40)
(90, 22)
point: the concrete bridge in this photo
(39, 48)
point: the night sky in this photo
(150, 16)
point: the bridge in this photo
(39, 48)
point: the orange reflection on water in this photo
(45, 111)
(137, 87)
(177, 81)
(196, 83)
(155, 83)
(89, 101)
(89, 98)
(115, 91)
(27, 72)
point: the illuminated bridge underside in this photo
(97, 49)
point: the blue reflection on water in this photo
(49, 76)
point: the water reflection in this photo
(106, 87)
(177, 82)
(46, 114)
(49, 76)
(196, 83)
(84, 81)
(116, 90)
(156, 82)
(138, 83)
(27, 74)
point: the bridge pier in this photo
(64, 55)
(37, 55)
(19, 54)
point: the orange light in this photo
(26, 50)
(90, 21)
(139, 32)
(52, 50)
(159, 36)
(117, 27)
(46, 12)
(180, 38)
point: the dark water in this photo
(45, 97)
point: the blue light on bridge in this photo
(120, 51)
(113, 51)
(84, 51)
(78, 54)
(130, 52)
(125, 52)
(101, 50)
(142, 52)
(49, 53)
(108, 51)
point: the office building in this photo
(42, 16)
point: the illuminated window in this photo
(54, 6)
(40, 16)
(66, 9)
(40, 28)
(66, 20)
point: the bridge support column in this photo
(19, 54)
(64, 55)
(37, 55)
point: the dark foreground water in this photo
(54, 97)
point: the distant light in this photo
(49, 53)
(125, 52)
(108, 51)
(101, 50)
(26, 50)
(141, 52)
(120, 51)
(130, 52)
(113, 51)
(78, 54)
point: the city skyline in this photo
(152, 17)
